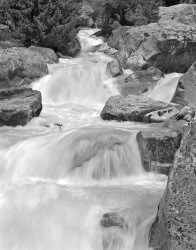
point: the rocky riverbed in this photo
(146, 77)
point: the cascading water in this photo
(166, 88)
(68, 180)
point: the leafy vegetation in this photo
(130, 12)
(49, 23)
(53, 23)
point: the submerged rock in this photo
(130, 108)
(112, 219)
(174, 226)
(19, 66)
(19, 105)
(158, 149)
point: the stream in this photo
(69, 180)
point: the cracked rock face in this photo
(168, 45)
(174, 227)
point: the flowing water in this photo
(166, 88)
(68, 180)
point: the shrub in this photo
(49, 23)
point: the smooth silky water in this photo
(65, 169)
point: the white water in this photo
(56, 184)
(165, 89)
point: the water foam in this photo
(84, 154)
(57, 184)
(166, 88)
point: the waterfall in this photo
(78, 80)
(85, 154)
(88, 41)
(68, 180)
(166, 88)
(81, 82)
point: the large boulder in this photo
(183, 13)
(19, 66)
(130, 108)
(19, 105)
(158, 148)
(188, 86)
(161, 115)
(85, 15)
(71, 48)
(174, 226)
(169, 46)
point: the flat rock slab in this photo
(19, 105)
(130, 108)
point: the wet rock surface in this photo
(161, 115)
(19, 105)
(112, 219)
(158, 149)
(188, 86)
(114, 68)
(132, 87)
(130, 108)
(84, 18)
(174, 226)
(139, 81)
(20, 66)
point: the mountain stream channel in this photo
(68, 179)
